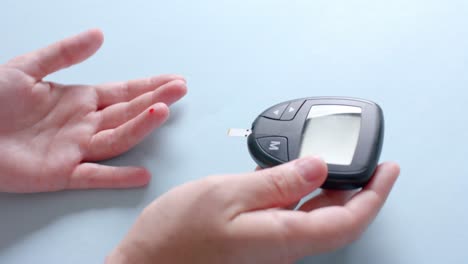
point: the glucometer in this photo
(346, 132)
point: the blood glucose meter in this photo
(346, 132)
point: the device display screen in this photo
(331, 132)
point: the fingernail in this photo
(310, 168)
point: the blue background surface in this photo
(240, 57)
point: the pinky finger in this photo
(96, 176)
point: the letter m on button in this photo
(274, 145)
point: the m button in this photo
(277, 147)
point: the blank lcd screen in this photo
(331, 132)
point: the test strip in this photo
(239, 132)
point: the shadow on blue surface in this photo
(32, 212)
(25, 214)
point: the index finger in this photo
(337, 226)
(366, 204)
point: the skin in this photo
(239, 218)
(50, 135)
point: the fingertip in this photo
(133, 177)
(384, 177)
(395, 170)
(182, 89)
(179, 77)
(93, 35)
(392, 168)
(142, 177)
(85, 44)
(178, 88)
(395, 167)
(321, 162)
(96, 32)
(167, 77)
(313, 169)
(159, 111)
(99, 34)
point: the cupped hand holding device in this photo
(51, 133)
(238, 218)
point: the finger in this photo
(326, 228)
(344, 224)
(112, 142)
(112, 93)
(59, 55)
(289, 207)
(92, 176)
(294, 231)
(366, 204)
(117, 114)
(327, 198)
(279, 186)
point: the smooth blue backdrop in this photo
(240, 57)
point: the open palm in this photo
(51, 133)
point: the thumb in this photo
(59, 55)
(281, 185)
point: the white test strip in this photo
(239, 132)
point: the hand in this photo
(237, 218)
(50, 133)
